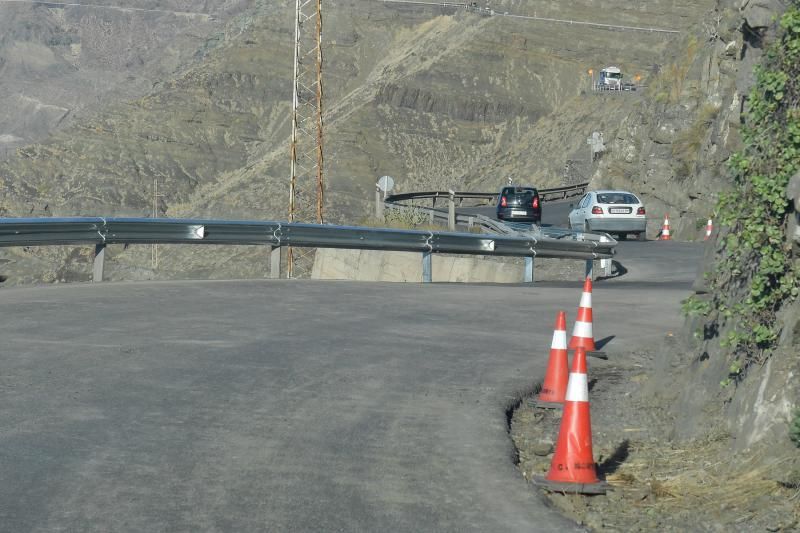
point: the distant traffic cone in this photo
(665, 236)
(572, 468)
(582, 336)
(709, 229)
(554, 388)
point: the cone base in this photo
(545, 405)
(601, 487)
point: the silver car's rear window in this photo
(617, 198)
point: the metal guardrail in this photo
(101, 232)
(452, 219)
(546, 195)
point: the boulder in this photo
(760, 14)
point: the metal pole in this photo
(275, 262)
(293, 142)
(320, 177)
(451, 211)
(427, 267)
(99, 260)
(378, 204)
(529, 269)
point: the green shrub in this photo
(794, 428)
(688, 144)
(755, 275)
(667, 85)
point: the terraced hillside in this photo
(434, 97)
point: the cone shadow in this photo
(602, 342)
(615, 460)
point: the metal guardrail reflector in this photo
(197, 232)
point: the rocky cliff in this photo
(674, 147)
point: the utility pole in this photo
(306, 186)
(156, 196)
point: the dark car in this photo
(519, 204)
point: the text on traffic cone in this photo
(573, 461)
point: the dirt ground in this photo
(656, 483)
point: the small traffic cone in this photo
(665, 236)
(582, 336)
(572, 468)
(554, 388)
(709, 229)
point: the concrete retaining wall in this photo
(369, 265)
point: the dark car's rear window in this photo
(520, 192)
(617, 198)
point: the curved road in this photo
(288, 405)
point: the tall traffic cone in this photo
(709, 229)
(554, 388)
(572, 468)
(665, 236)
(582, 336)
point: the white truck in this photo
(611, 80)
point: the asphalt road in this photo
(553, 213)
(290, 406)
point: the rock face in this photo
(793, 194)
(673, 149)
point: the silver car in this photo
(619, 213)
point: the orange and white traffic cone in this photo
(572, 468)
(554, 388)
(709, 229)
(582, 336)
(665, 236)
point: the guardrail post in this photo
(451, 211)
(529, 269)
(605, 264)
(275, 262)
(99, 260)
(378, 204)
(427, 267)
(589, 268)
(470, 222)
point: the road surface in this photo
(293, 406)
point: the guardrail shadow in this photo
(617, 271)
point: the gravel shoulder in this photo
(658, 483)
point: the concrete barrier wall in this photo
(370, 265)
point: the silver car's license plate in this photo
(518, 212)
(619, 210)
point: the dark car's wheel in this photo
(642, 236)
(623, 236)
